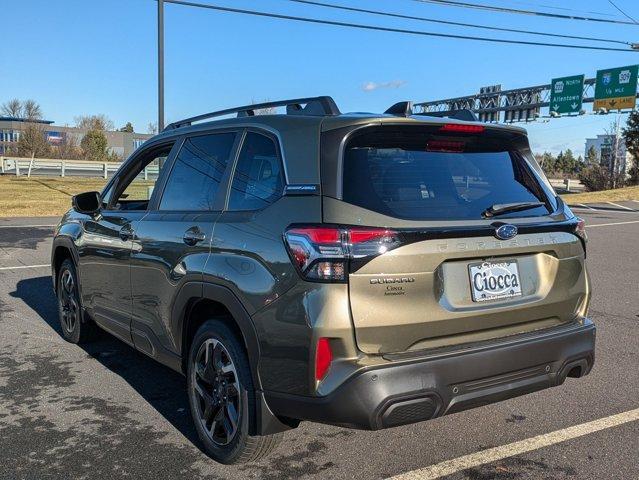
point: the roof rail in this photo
(464, 114)
(316, 106)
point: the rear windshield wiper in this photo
(501, 208)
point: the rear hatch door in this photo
(477, 244)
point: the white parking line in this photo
(609, 224)
(603, 211)
(621, 206)
(518, 448)
(26, 226)
(583, 205)
(19, 267)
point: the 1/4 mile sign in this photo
(616, 88)
(566, 94)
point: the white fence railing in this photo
(53, 167)
(567, 184)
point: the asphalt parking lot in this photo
(104, 410)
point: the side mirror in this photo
(87, 202)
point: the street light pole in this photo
(160, 65)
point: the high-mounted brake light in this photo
(323, 358)
(324, 253)
(461, 128)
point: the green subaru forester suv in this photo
(361, 270)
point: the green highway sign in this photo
(616, 88)
(566, 94)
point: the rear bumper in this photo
(415, 390)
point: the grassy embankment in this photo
(618, 195)
(34, 197)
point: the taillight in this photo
(461, 128)
(580, 229)
(324, 254)
(323, 358)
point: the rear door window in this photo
(258, 179)
(197, 172)
(426, 176)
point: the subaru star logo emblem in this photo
(506, 232)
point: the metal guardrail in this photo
(567, 185)
(62, 168)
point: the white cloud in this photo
(371, 86)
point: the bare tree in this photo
(31, 110)
(152, 128)
(32, 142)
(67, 149)
(94, 122)
(12, 108)
(613, 158)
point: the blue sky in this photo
(98, 56)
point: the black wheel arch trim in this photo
(66, 242)
(266, 423)
(193, 292)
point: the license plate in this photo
(494, 280)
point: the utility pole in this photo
(616, 152)
(160, 65)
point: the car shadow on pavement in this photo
(27, 238)
(163, 388)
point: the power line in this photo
(621, 11)
(495, 8)
(388, 29)
(554, 7)
(460, 24)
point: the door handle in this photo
(126, 233)
(193, 236)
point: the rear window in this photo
(429, 176)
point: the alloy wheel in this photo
(70, 310)
(217, 390)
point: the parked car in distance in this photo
(361, 270)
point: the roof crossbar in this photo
(316, 106)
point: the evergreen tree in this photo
(127, 128)
(591, 156)
(570, 163)
(631, 136)
(560, 162)
(547, 162)
(94, 145)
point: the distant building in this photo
(603, 145)
(120, 143)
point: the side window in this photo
(258, 179)
(136, 187)
(197, 172)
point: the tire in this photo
(75, 328)
(222, 396)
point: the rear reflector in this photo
(461, 128)
(323, 358)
